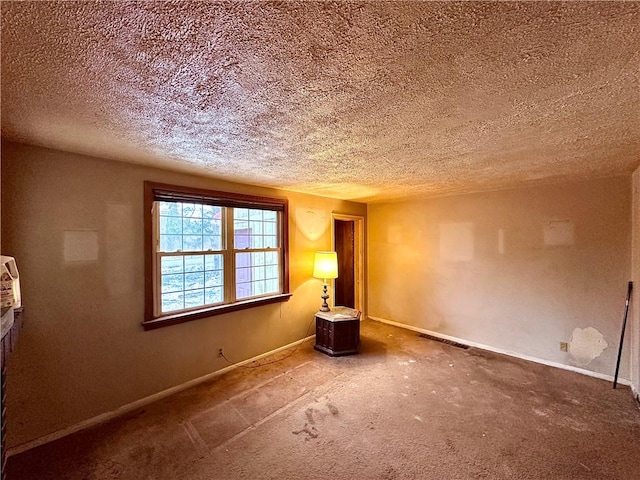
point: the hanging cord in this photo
(295, 349)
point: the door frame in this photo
(358, 261)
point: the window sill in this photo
(183, 317)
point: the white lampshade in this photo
(325, 265)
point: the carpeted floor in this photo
(405, 408)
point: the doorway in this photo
(348, 243)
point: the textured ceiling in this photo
(366, 101)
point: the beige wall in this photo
(83, 351)
(633, 334)
(561, 263)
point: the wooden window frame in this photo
(160, 191)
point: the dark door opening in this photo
(344, 240)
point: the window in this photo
(211, 252)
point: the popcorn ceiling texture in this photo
(368, 101)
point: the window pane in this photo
(213, 279)
(213, 262)
(171, 225)
(212, 212)
(242, 213)
(243, 290)
(257, 258)
(212, 231)
(193, 298)
(211, 243)
(172, 283)
(192, 210)
(211, 227)
(172, 301)
(243, 260)
(194, 263)
(257, 242)
(192, 226)
(170, 243)
(271, 258)
(240, 225)
(171, 265)
(193, 280)
(255, 228)
(255, 214)
(272, 271)
(192, 243)
(273, 285)
(270, 241)
(270, 216)
(242, 241)
(213, 295)
(270, 228)
(244, 275)
(171, 208)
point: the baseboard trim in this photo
(482, 346)
(104, 417)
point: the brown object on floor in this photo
(404, 408)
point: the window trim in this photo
(161, 191)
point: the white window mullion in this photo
(156, 264)
(229, 258)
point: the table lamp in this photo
(325, 266)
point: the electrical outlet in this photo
(220, 354)
(563, 346)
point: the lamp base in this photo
(324, 297)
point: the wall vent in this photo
(443, 340)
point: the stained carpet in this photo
(404, 408)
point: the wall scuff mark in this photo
(586, 344)
(559, 233)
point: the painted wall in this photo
(633, 334)
(83, 351)
(519, 270)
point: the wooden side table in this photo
(10, 330)
(338, 331)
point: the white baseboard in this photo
(104, 417)
(602, 376)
